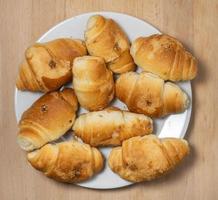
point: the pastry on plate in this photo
(105, 38)
(111, 126)
(68, 161)
(164, 56)
(50, 117)
(148, 94)
(147, 158)
(93, 82)
(47, 66)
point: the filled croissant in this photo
(105, 38)
(50, 117)
(93, 82)
(47, 66)
(147, 158)
(111, 127)
(164, 56)
(68, 161)
(148, 94)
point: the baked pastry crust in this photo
(148, 94)
(47, 66)
(164, 56)
(50, 117)
(110, 127)
(68, 161)
(147, 158)
(93, 82)
(105, 38)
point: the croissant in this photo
(93, 82)
(111, 127)
(68, 161)
(146, 93)
(47, 66)
(147, 158)
(47, 119)
(105, 38)
(164, 56)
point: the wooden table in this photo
(195, 23)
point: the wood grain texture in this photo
(193, 22)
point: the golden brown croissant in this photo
(93, 82)
(146, 158)
(164, 56)
(68, 161)
(105, 38)
(111, 127)
(146, 93)
(47, 66)
(47, 119)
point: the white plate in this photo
(171, 126)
